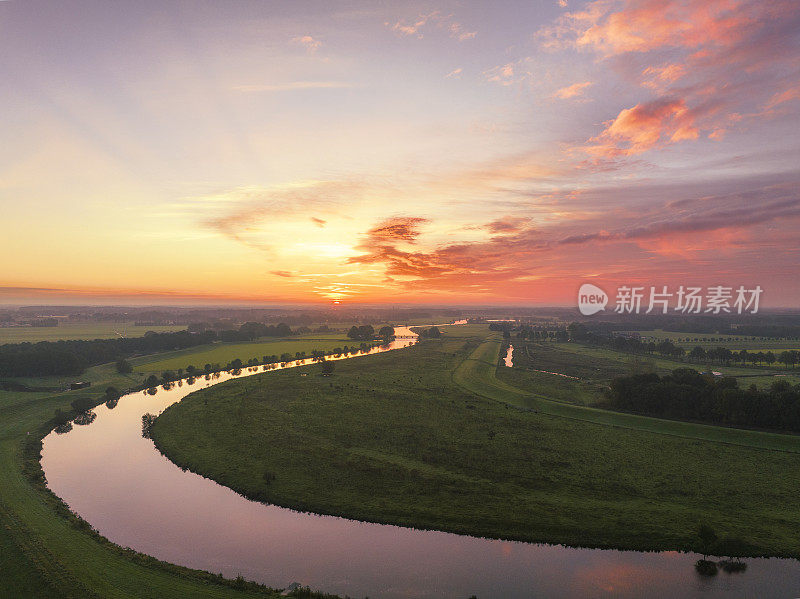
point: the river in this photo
(118, 482)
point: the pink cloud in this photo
(572, 91)
(657, 77)
(648, 241)
(308, 42)
(642, 127)
(728, 56)
(612, 28)
(415, 27)
(459, 33)
(784, 96)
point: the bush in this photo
(328, 367)
(82, 404)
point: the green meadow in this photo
(90, 330)
(441, 435)
(430, 437)
(46, 553)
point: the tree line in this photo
(698, 354)
(685, 394)
(267, 361)
(72, 357)
(366, 332)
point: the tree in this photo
(386, 332)
(283, 330)
(82, 404)
(707, 537)
(327, 367)
(363, 333)
(123, 366)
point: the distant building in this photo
(79, 385)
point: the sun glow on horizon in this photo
(348, 159)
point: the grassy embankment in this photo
(47, 553)
(430, 437)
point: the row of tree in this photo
(191, 370)
(685, 394)
(366, 332)
(723, 355)
(431, 333)
(72, 357)
(698, 354)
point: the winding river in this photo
(117, 481)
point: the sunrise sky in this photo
(442, 152)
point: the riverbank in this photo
(396, 440)
(47, 552)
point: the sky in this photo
(397, 152)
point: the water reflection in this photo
(143, 501)
(85, 418)
(147, 424)
(509, 356)
(63, 428)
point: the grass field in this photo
(582, 352)
(596, 366)
(429, 437)
(90, 330)
(437, 448)
(478, 374)
(45, 555)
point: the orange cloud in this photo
(396, 229)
